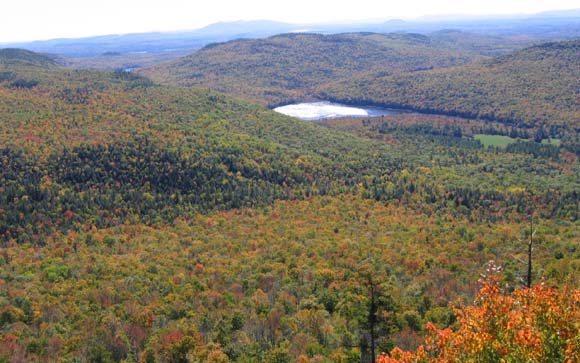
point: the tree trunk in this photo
(530, 245)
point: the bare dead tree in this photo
(530, 251)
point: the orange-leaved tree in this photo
(537, 324)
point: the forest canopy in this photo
(142, 222)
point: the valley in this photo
(367, 195)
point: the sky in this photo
(47, 19)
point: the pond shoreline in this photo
(322, 110)
(432, 111)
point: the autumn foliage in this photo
(540, 324)
(158, 224)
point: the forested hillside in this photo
(106, 148)
(447, 72)
(21, 57)
(80, 146)
(289, 67)
(150, 223)
(535, 86)
(290, 282)
(481, 44)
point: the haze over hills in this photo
(157, 42)
(551, 25)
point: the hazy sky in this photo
(45, 19)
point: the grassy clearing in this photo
(494, 140)
(555, 142)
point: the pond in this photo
(323, 110)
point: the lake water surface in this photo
(323, 110)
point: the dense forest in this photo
(281, 283)
(146, 222)
(112, 147)
(447, 72)
(534, 86)
(290, 66)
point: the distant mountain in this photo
(536, 27)
(534, 86)
(548, 25)
(243, 28)
(157, 42)
(126, 43)
(570, 13)
(288, 67)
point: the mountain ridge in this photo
(288, 66)
(536, 85)
(558, 24)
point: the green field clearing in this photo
(495, 140)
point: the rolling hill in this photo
(21, 57)
(290, 66)
(150, 223)
(534, 86)
(448, 72)
(110, 145)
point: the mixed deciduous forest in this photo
(533, 86)
(289, 67)
(176, 219)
